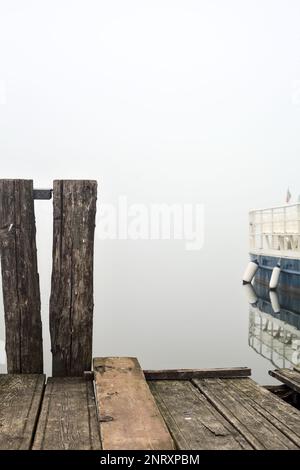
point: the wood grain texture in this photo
(192, 420)
(20, 399)
(287, 376)
(188, 374)
(285, 417)
(20, 279)
(68, 418)
(239, 410)
(129, 417)
(71, 301)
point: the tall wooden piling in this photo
(71, 301)
(20, 279)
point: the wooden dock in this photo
(119, 407)
(116, 405)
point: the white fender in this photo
(274, 301)
(274, 278)
(250, 294)
(250, 272)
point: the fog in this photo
(172, 102)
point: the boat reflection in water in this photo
(274, 325)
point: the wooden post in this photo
(20, 279)
(71, 301)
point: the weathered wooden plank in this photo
(192, 420)
(188, 374)
(20, 279)
(20, 399)
(240, 412)
(68, 418)
(71, 302)
(129, 417)
(285, 417)
(287, 376)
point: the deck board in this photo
(188, 374)
(129, 417)
(238, 408)
(20, 399)
(115, 408)
(284, 416)
(192, 420)
(68, 418)
(287, 376)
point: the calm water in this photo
(174, 318)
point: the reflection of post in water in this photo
(274, 332)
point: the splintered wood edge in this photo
(101, 364)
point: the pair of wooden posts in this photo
(71, 300)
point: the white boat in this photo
(275, 242)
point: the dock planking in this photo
(68, 418)
(193, 422)
(20, 399)
(129, 417)
(114, 408)
(239, 409)
(289, 377)
(188, 374)
(283, 416)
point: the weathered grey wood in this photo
(71, 302)
(238, 409)
(68, 418)
(20, 279)
(45, 194)
(287, 376)
(192, 420)
(20, 399)
(188, 374)
(129, 417)
(285, 417)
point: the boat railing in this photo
(275, 228)
(273, 339)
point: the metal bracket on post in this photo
(42, 193)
